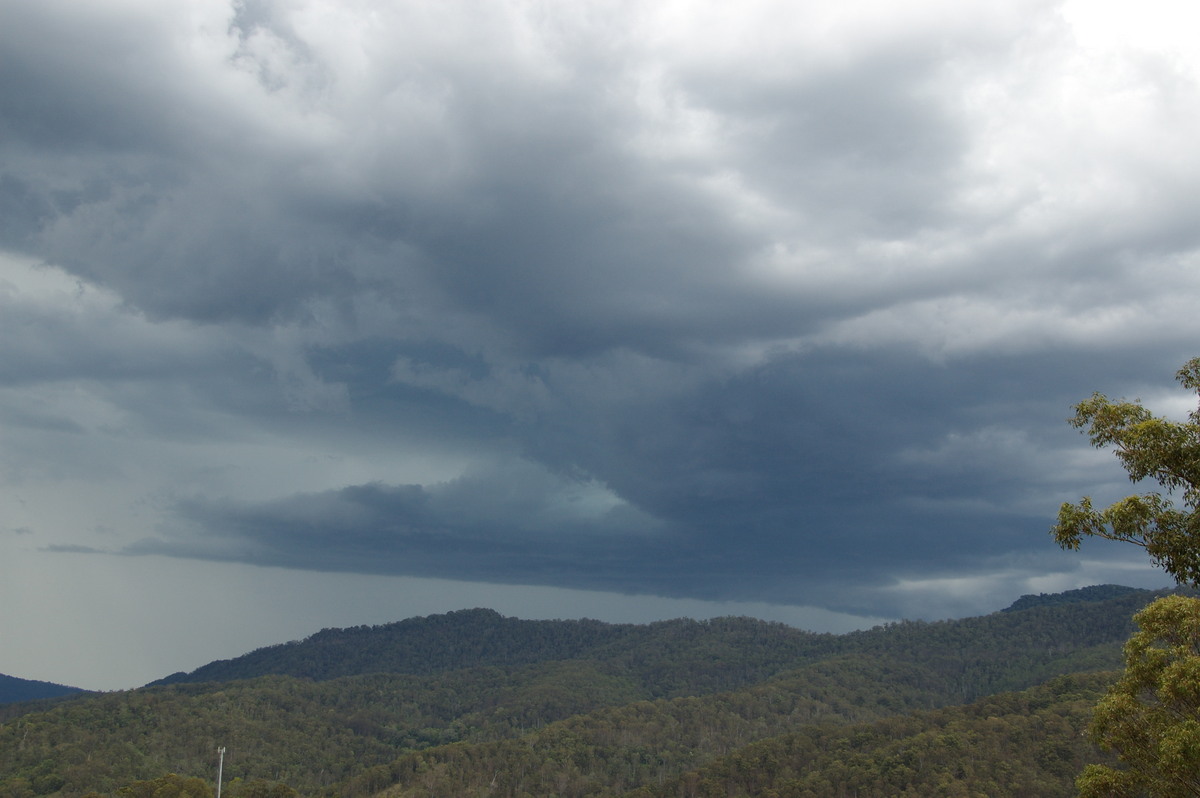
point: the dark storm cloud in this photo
(574, 297)
(801, 480)
(608, 247)
(522, 524)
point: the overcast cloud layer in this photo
(757, 302)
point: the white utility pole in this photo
(220, 768)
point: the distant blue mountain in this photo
(13, 690)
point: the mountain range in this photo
(475, 703)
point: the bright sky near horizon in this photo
(323, 313)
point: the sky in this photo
(320, 313)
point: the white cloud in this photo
(994, 589)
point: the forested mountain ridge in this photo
(428, 644)
(485, 638)
(1092, 593)
(628, 705)
(14, 689)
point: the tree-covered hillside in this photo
(1028, 744)
(452, 704)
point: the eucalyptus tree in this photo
(1166, 524)
(1151, 717)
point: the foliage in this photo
(173, 785)
(258, 788)
(1151, 716)
(1149, 447)
(617, 749)
(1026, 744)
(168, 786)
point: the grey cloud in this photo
(818, 475)
(605, 249)
(71, 549)
(869, 146)
(23, 211)
(522, 524)
(780, 322)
